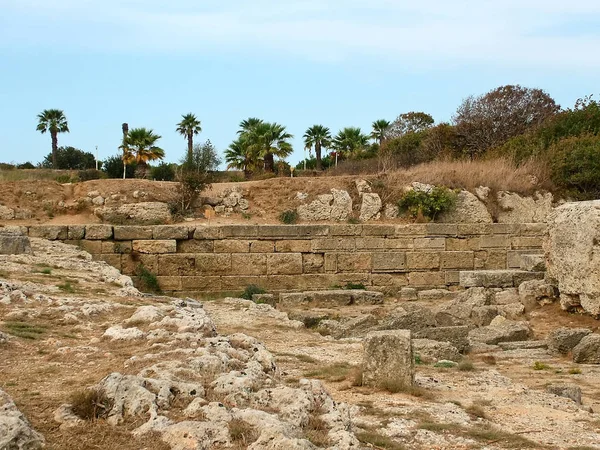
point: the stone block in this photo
(116, 247)
(413, 229)
(217, 264)
(432, 279)
(423, 260)
(232, 246)
(293, 246)
(208, 232)
(76, 232)
(173, 265)
(452, 277)
(331, 262)
(236, 283)
(504, 228)
(496, 241)
(284, 263)
(14, 243)
(97, 232)
(345, 230)
(112, 260)
(127, 233)
(50, 232)
(532, 229)
(457, 260)
(265, 246)
(155, 246)
(93, 247)
(389, 279)
(375, 243)
(130, 263)
(514, 258)
(169, 283)
(378, 230)
(389, 262)
(339, 244)
(469, 229)
(330, 298)
(354, 262)
(490, 259)
(291, 231)
(463, 244)
(443, 229)
(430, 243)
(458, 336)
(520, 242)
(388, 360)
(179, 232)
(239, 231)
(205, 283)
(313, 263)
(195, 246)
(249, 264)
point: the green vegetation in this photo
(250, 291)
(54, 122)
(66, 287)
(377, 440)
(289, 217)
(355, 286)
(147, 281)
(465, 366)
(24, 330)
(140, 146)
(334, 372)
(575, 371)
(538, 365)
(427, 204)
(188, 127)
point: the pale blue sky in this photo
(297, 62)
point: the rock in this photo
(483, 315)
(243, 204)
(98, 201)
(483, 193)
(535, 292)
(92, 194)
(572, 254)
(12, 242)
(146, 314)
(506, 297)
(4, 338)
(319, 209)
(422, 187)
(500, 330)
(455, 335)
(143, 213)
(459, 311)
(391, 211)
(533, 263)
(370, 207)
(342, 205)
(355, 327)
(512, 311)
(6, 213)
(571, 391)
(388, 359)
(301, 196)
(220, 209)
(522, 345)
(430, 351)
(333, 298)
(588, 350)
(268, 299)
(517, 209)
(435, 295)
(408, 319)
(409, 294)
(118, 333)
(362, 187)
(15, 431)
(467, 209)
(563, 340)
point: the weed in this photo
(355, 286)
(575, 371)
(315, 430)
(147, 280)
(45, 271)
(538, 365)
(246, 216)
(445, 364)
(399, 386)
(378, 440)
(289, 217)
(418, 360)
(242, 432)
(251, 290)
(334, 372)
(90, 404)
(24, 330)
(465, 366)
(475, 411)
(66, 287)
(429, 204)
(491, 434)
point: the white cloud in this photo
(525, 33)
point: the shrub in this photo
(289, 217)
(538, 365)
(90, 174)
(90, 404)
(190, 184)
(250, 291)
(64, 179)
(25, 165)
(429, 204)
(70, 158)
(163, 172)
(113, 167)
(465, 366)
(147, 280)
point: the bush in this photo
(190, 184)
(113, 167)
(163, 172)
(289, 217)
(429, 204)
(70, 158)
(575, 165)
(90, 174)
(66, 179)
(147, 280)
(356, 286)
(250, 291)
(90, 404)
(406, 149)
(25, 165)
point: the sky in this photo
(296, 62)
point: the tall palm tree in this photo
(380, 128)
(141, 142)
(127, 156)
(349, 141)
(188, 127)
(248, 124)
(54, 121)
(239, 156)
(318, 137)
(269, 140)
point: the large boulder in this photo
(588, 350)
(388, 360)
(563, 340)
(500, 330)
(143, 213)
(370, 207)
(467, 209)
(15, 431)
(517, 209)
(334, 206)
(431, 351)
(6, 213)
(573, 254)
(13, 242)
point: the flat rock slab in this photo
(455, 335)
(497, 278)
(327, 299)
(522, 345)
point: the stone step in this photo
(331, 298)
(522, 345)
(533, 263)
(497, 278)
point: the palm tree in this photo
(380, 128)
(140, 143)
(248, 124)
(239, 156)
(318, 137)
(54, 121)
(268, 140)
(188, 127)
(127, 156)
(350, 141)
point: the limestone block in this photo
(430, 243)
(195, 246)
(388, 359)
(126, 233)
(172, 265)
(13, 243)
(265, 246)
(155, 246)
(249, 264)
(216, 264)
(389, 262)
(422, 260)
(98, 232)
(179, 232)
(370, 207)
(50, 232)
(313, 263)
(457, 260)
(284, 263)
(76, 232)
(354, 262)
(293, 246)
(232, 246)
(467, 209)
(433, 279)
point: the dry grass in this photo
(465, 366)
(33, 174)
(90, 404)
(398, 386)
(378, 440)
(316, 430)
(334, 372)
(242, 433)
(484, 433)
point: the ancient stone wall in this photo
(189, 260)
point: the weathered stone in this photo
(422, 260)
(535, 292)
(125, 233)
(522, 345)
(355, 327)
(407, 318)
(572, 254)
(517, 209)
(500, 330)
(456, 335)
(409, 294)
(50, 232)
(284, 264)
(362, 186)
(506, 297)
(563, 340)
(313, 263)
(341, 207)
(571, 391)
(15, 431)
(391, 211)
(331, 298)
(436, 295)
(459, 311)
(118, 333)
(146, 213)
(512, 311)
(497, 278)
(483, 315)
(6, 213)
(430, 351)
(588, 350)
(268, 299)
(354, 262)
(179, 232)
(13, 242)
(467, 209)
(533, 263)
(370, 207)
(155, 246)
(388, 359)
(76, 232)
(98, 232)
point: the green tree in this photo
(141, 142)
(113, 167)
(188, 127)
(410, 122)
(204, 158)
(239, 156)
(70, 158)
(268, 140)
(380, 129)
(350, 141)
(318, 137)
(53, 121)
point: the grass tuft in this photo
(465, 366)
(377, 440)
(147, 281)
(90, 404)
(250, 291)
(242, 433)
(538, 365)
(289, 217)
(66, 287)
(24, 330)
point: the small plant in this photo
(316, 431)
(335, 372)
(430, 204)
(242, 432)
(62, 179)
(465, 366)
(246, 216)
(24, 330)
(250, 291)
(66, 287)
(538, 365)
(289, 217)
(575, 371)
(90, 404)
(476, 411)
(445, 364)
(147, 280)
(418, 360)
(356, 286)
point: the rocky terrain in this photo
(90, 362)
